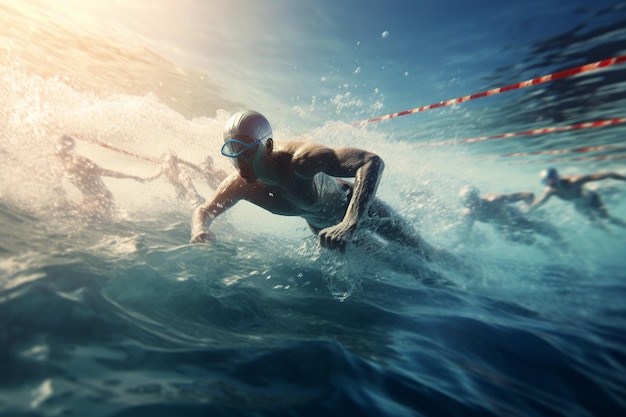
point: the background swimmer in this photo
(97, 199)
(498, 209)
(571, 188)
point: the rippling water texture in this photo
(122, 317)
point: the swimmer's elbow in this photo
(377, 164)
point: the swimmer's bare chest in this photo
(85, 176)
(296, 197)
(487, 211)
(299, 198)
(569, 191)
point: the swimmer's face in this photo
(64, 147)
(551, 181)
(245, 153)
(247, 161)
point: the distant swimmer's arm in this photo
(524, 196)
(600, 176)
(114, 174)
(226, 196)
(543, 198)
(191, 165)
(152, 177)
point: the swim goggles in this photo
(232, 148)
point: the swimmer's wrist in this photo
(204, 236)
(197, 229)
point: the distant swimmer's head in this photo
(246, 135)
(64, 145)
(468, 194)
(549, 176)
(208, 164)
(169, 156)
(65, 142)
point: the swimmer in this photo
(177, 173)
(210, 174)
(571, 188)
(498, 209)
(87, 177)
(298, 178)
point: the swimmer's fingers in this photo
(324, 240)
(332, 238)
(203, 237)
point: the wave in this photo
(122, 316)
(122, 320)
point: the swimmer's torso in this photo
(320, 200)
(487, 211)
(84, 174)
(568, 190)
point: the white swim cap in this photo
(64, 143)
(247, 125)
(548, 174)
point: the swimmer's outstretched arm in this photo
(153, 176)
(191, 165)
(227, 195)
(600, 176)
(114, 174)
(524, 196)
(543, 198)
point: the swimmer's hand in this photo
(529, 198)
(203, 237)
(336, 237)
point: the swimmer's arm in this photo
(114, 174)
(190, 165)
(227, 195)
(543, 198)
(366, 179)
(600, 176)
(152, 177)
(524, 196)
(365, 167)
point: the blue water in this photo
(124, 318)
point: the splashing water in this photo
(123, 317)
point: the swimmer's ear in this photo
(269, 145)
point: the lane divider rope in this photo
(540, 131)
(535, 81)
(114, 148)
(583, 149)
(576, 159)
